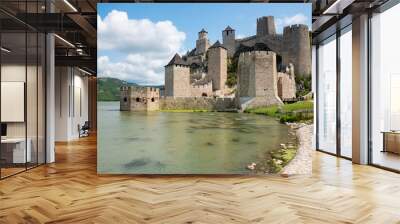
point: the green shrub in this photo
(294, 112)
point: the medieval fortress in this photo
(267, 64)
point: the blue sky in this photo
(190, 18)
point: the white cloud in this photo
(290, 20)
(240, 36)
(146, 45)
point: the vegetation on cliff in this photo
(232, 72)
(303, 85)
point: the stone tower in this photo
(265, 26)
(257, 79)
(177, 78)
(228, 40)
(202, 43)
(297, 49)
(217, 65)
(139, 98)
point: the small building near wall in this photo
(139, 98)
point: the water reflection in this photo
(183, 143)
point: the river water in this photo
(183, 143)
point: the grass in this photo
(184, 110)
(299, 111)
(277, 159)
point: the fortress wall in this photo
(177, 81)
(217, 67)
(199, 90)
(124, 99)
(197, 103)
(169, 81)
(228, 40)
(195, 59)
(297, 49)
(243, 73)
(286, 86)
(257, 78)
(273, 42)
(266, 26)
(139, 98)
(202, 46)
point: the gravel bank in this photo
(302, 162)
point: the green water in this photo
(183, 143)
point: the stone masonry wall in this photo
(286, 86)
(228, 41)
(201, 90)
(266, 26)
(198, 103)
(257, 78)
(177, 81)
(217, 67)
(297, 49)
(139, 98)
(202, 46)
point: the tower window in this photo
(137, 99)
(125, 99)
(152, 99)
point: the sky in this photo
(135, 41)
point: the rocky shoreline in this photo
(290, 159)
(301, 164)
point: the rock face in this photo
(257, 79)
(302, 162)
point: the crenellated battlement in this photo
(295, 28)
(256, 53)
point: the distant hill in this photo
(108, 88)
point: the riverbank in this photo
(301, 111)
(291, 158)
(302, 161)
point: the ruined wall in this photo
(139, 98)
(125, 102)
(201, 90)
(297, 49)
(257, 78)
(217, 67)
(286, 86)
(177, 80)
(198, 103)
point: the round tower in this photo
(228, 40)
(266, 26)
(297, 49)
